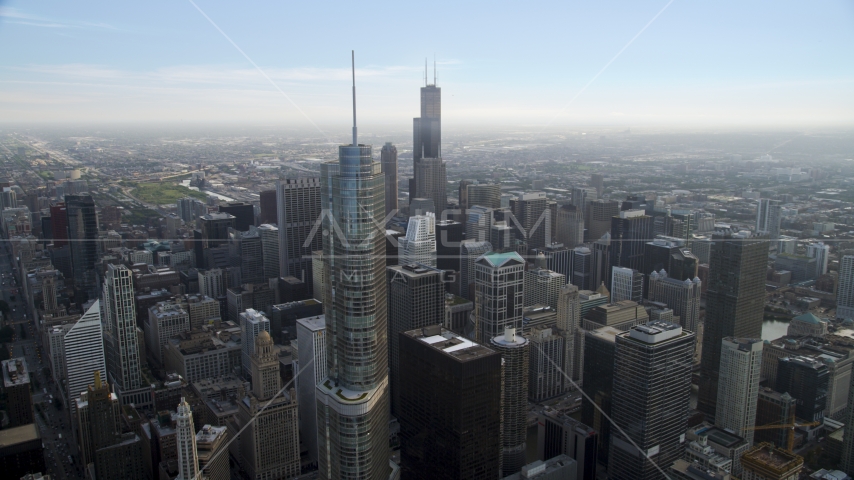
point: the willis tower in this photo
(430, 178)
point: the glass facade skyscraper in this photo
(353, 402)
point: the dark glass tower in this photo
(450, 416)
(427, 164)
(82, 235)
(388, 159)
(651, 399)
(735, 302)
(806, 379)
(676, 259)
(427, 129)
(416, 299)
(598, 384)
(630, 230)
(352, 402)
(244, 214)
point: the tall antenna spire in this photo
(425, 71)
(434, 70)
(353, 63)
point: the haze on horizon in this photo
(647, 64)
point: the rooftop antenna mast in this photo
(425, 71)
(353, 64)
(434, 70)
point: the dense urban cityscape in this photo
(581, 241)
(574, 305)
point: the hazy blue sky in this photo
(699, 63)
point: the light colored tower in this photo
(211, 443)
(821, 253)
(269, 444)
(569, 324)
(738, 385)
(311, 341)
(542, 287)
(298, 208)
(500, 293)
(570, 225)
(845, 290)
(388, 160)
(626, 284)
(484, 194)
(252, 323)
(419, 244)
(683, 297)
(270, 249)
(211, 283)
(83, 348)
(768, 215)
(188, 462)
(353, 403)
(123, 362)
(246, 251)
(515, 350)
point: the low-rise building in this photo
(200, 354)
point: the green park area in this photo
(163, 193)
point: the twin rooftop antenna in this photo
(353, 64)
(434, 71)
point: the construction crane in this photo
(790, 426)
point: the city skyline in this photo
(244, 300)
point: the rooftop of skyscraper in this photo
(15, 372)
(449, 343)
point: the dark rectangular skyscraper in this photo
(598, 384)
(269, 207)
(735, 304)
(244, 214)
(416, 298)
(427, 129)
(532, 212)
(672, 256)
(806, 379)
(428, 167)
(388, 160)
(59, 224)
(82, 234)
(450, 420)
(630, 230)
(449, 234)
(651, 397)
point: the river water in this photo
(186, 183)
(772, 329)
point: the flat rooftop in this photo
(449, 343)
(15, 372)
(721, 436)
(767, 455)
(18, 435)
